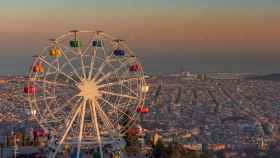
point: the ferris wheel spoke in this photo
(68, 127)
(58, 64)
(115, 108)
(82, 119)
(130, 90)
(89, 45)
(67, 103)
(105, 117)
(52, 83)
(108, 74)
(78, 103)
(68, 49)
(53, 121)
(118, 95)
(62, 37)
(72, 66)
(59, 71)
(44, 99)
(118, 82)
(108, 124)
(124, 105)
(82, 61)
(100, 69)
(92, 62)
(81, 58)
(104, 51)
(83, 64)
(97, 128)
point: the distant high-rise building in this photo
(202, 76)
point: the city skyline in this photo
(212, 36)
(140, 79)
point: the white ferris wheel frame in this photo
(93, 100)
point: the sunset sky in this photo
(196, 35)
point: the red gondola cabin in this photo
(39, 133)
(134, 68)
(29, 90)
(142, 110)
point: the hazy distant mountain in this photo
(273, 77)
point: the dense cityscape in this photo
(140, 79)
(217, 114)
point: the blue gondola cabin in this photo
(119, 53)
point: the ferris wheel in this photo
(86, 88)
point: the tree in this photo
(176, 150)
(160, 150)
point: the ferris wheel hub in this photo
(88, 89)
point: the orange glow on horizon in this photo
(204, 29)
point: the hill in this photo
(272, 77)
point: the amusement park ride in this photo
(86, 90)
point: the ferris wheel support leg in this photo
(82, 119)
(97, 128)
(52, 155)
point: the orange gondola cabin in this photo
(55, 52)
(38, 68)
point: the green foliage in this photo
(159, 150)
(192, 154)
(204, 156)
(176, 150)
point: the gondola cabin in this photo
(143, 110)
(135, 130)
(75, 44)
(39, 133)
(119, 53)
(29, 90)
(145, 88)
(55, 52)
(134, 68)
(97, 43)
(38, 68)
